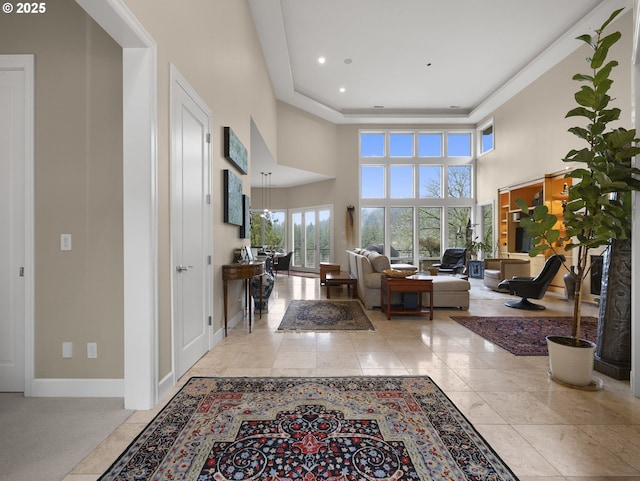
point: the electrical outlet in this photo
(92, 350)
(67, 350)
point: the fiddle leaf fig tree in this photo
(598, 208)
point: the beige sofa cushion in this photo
(450, 283)
(379, 262)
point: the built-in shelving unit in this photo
(550, 190)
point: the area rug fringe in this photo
(310, 429)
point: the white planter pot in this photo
(571, 364)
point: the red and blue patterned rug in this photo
(526, 336)
(310, 429)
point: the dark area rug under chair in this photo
(526, 336)
(310, 429)
(325, 316)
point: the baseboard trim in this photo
(77, 388)
(165, 386)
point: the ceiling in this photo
(410, 61)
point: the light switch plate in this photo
(65, 242)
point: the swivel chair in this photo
(532, 287)
(454, 261)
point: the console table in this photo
(243, 272)
(417, 283)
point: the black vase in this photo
(570, 284)
(613, 353)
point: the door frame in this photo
(142, 386)
(26, 64)
(178, 81)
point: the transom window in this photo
(416, 191)
(485, 137)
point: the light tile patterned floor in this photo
(543, 431)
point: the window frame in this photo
(415, 202)
(480, 136)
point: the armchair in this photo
(497, 270)
(282, 263)
(454, 261)
(532, 287)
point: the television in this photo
(524, 243)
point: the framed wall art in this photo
(234, 151)
(233, 206)
(245, 228)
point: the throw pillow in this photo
(379, 262)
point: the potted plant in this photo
(477, 246)
(598, 208)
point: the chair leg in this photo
(524, 303)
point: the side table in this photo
(337, 278)
(242, 272)
(418, 283)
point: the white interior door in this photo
(190, 225)
(12, 238)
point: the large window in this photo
(416, 191)
(311, 237)
(268, 229)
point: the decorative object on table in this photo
(245, 228)
(233, 205)
(342, 428)
(599, 204)
(394, 273)
(267, 283)
(307, 315)
(524, 336)
(234, 151)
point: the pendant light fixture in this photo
(266, 194)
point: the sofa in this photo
(368, 268)
(497, 270)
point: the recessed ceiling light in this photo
(342, 90)
(347, 61)
(321, 60)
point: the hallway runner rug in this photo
(526, 336)
(310, 429)
(325, 316)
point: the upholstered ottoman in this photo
(449, 291)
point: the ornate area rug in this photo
(310, 429)
(325, 316)
(525, 336)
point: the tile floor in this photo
(542, 430)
